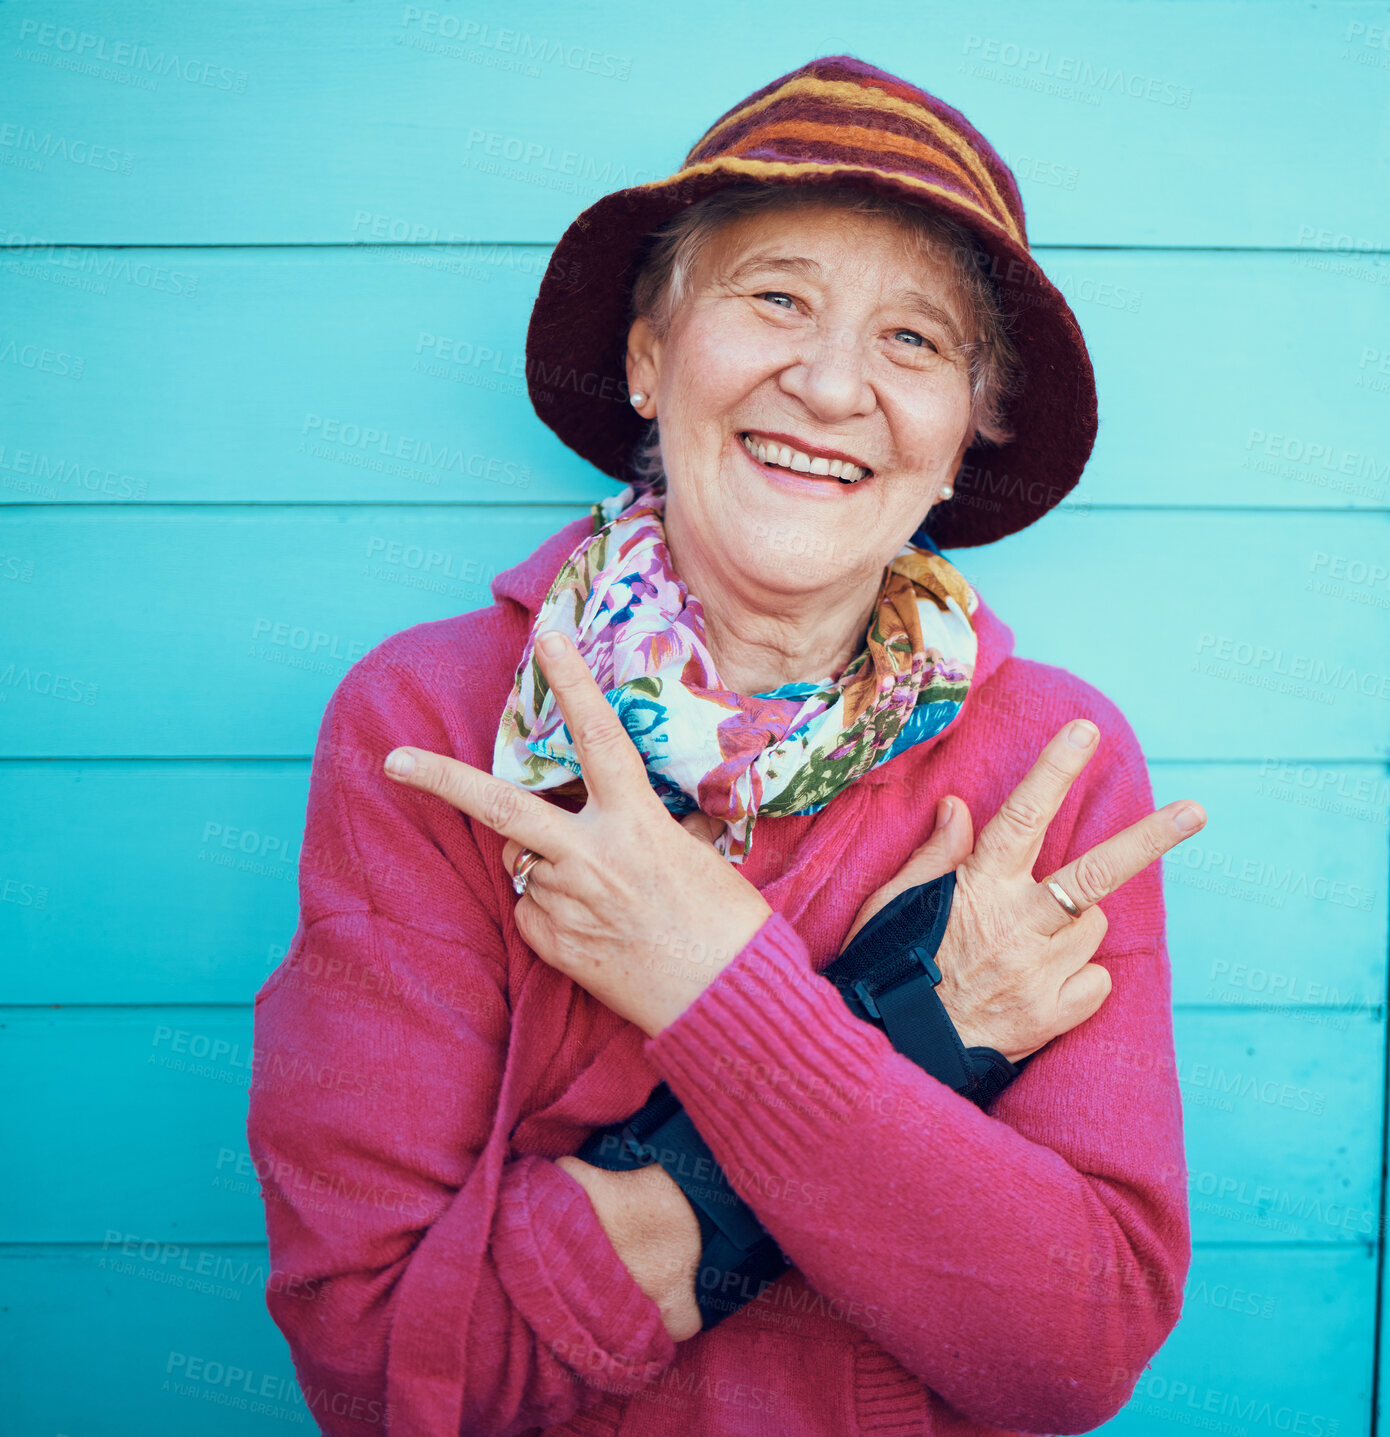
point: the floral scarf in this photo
(734, 756)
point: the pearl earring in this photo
(946, 491)
(638, 398)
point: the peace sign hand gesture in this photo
(615, 882)
(1015, 963)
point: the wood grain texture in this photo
(138, 1325)
(1280, 901)
(195, 631)
(1190, 123)
(1282, 1120)
(398, 375)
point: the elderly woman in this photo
(634, 809)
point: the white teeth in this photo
(785, 458)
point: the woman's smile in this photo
(787, 451)
(821, 486)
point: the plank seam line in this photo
(1375, 1011)
(20, 1249)
(1374, 761)
(1105, 507)
(1378, 1326)
(294, 246)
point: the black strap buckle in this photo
(868, 997)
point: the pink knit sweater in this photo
(418, 1069)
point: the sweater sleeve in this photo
(1024, 1263)
(421, 1278)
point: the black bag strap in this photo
(887, 975)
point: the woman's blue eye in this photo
(773, 295)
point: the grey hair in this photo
(664, 283)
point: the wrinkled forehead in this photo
(827, 241)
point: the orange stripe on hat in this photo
(785, 167)
(873, 141)
(847, 92)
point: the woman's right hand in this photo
(1015, 968)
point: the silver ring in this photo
(521, 873)
(1064, 898)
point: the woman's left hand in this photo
(627, 901)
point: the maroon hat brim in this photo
(576, 347)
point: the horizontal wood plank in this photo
(398, 374)
(1279, 901)
(1152, 124)
(1282, 1120)
(166, 1351)
(1226, 1367)
(198, 632)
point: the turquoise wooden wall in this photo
(254, 256)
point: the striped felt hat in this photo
(834, 121)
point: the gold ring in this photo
(521, 870)
(1063, 897)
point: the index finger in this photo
(608, 759)
(1010, 842)
(504, 807)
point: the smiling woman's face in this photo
(816, 330)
